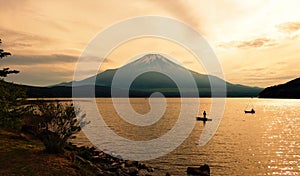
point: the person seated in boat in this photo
(204, 114)
(252, 110)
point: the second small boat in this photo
(250, 112)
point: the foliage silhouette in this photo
(6, 71)
(12, 98)
(54, 123)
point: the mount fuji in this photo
(153, 79)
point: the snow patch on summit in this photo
(154, 60)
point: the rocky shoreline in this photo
(104, 164)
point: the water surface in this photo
(264, 143)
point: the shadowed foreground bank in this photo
(19, 156)
(22, 155)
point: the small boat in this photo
(203, 119)
(250, 112)
(247, 111)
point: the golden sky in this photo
(257, 42)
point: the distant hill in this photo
(290, 89)
(154, 81)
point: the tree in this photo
(11, 99)
(5, 71)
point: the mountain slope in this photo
(290, 89)
(159, 74)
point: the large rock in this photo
(200, 171)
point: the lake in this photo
(264, 143)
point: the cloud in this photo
(41, 76)
(288, 27)
(253, 43)
(17, 39)
(38, 59)
(40, 69)
(182, 10)
(44, 70)
(265, 74)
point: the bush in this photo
(55, 123)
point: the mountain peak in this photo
(150, 58)
(156, 61)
